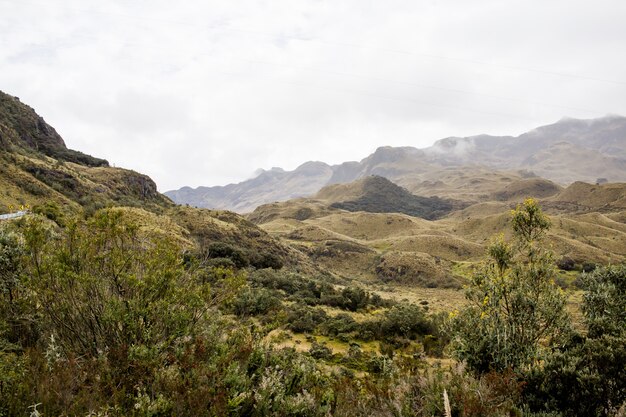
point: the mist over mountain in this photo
(564, 152)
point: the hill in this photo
(371, 229)
(24, 131)
(377, 194)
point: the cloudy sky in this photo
(205, 92)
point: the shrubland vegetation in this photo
(99, 316)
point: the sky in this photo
(206, 92)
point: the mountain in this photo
(37, 168)
(272, 185)
(566, 151)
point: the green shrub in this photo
(320, 351)
(255, 302)
(304, 319)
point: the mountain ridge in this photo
(564, 152)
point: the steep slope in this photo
(36, 168)
(24, 131)
(567, 151)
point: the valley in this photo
(355, 289)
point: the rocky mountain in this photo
(567, 151)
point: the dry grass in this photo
(606, 197)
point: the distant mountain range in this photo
(564, 152)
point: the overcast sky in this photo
(205, 92)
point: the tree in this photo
(516, 310)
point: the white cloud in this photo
(203, 93)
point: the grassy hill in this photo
(38, 170)
(377, 194)
(588, 226)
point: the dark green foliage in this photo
(341, 324)
(265, 260)
(383, 196)
(316, 291)
(320, 351)
(255, 302)
(404, 321)
(15, 324)
(304, 319)
(584, 378)
(587, 376)
(605, 301)
(566, 263)
(221, 263)
(242, 257)
(60, 181)
(588, 266)
(224, 250)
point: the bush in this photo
(51, 210)
(587, 375)
(224, 250)
(320, 351)
(341, 324)
(255, 302)
(588, 266)
(304, 319)
(566, 264)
